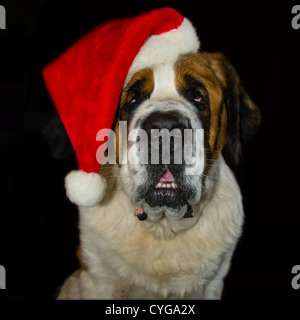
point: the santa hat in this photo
(86, 81)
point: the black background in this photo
(38, 225)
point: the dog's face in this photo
(198, 91)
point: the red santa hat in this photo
(86, 81)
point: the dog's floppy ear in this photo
(55, 134)
(243, 116)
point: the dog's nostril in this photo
(165, 120)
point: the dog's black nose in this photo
(165, 120)
(165, 143)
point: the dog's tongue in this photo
(167, 177)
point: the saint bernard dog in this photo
(159, 233)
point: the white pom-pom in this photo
(85, 189)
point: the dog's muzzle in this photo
(165, 190)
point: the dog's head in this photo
(198, 91)
(188, 104)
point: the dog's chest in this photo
(131, 251)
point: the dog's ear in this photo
(56, 136)
(243, 116)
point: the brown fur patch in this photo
(142, 84)
(207, 69)
(139, 87)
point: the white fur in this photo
(168, 258)
(164, 259)
(126, 260)
(165, 47)
(85, 189)
(164, 98)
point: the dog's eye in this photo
(132, 101)
(199, 99)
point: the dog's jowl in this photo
(161, 219)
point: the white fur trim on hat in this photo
(85, 189)
(165, 47)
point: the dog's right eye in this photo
(132, 101)
(135, 97)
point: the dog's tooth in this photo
(164, 185)
(168, 185)
(173, 185)
(158, 185)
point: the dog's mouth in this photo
(166, 181)
(165, 193)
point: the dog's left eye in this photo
(199, 99)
